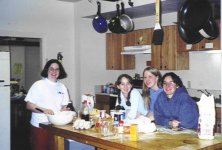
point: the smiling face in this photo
(169, 86)
(150, 80)
(53, 72)
(125, 86)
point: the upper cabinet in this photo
(166, 56)
(114, 59)
(143, 36)
(171, 55)
(115, 44)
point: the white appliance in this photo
(5, 100)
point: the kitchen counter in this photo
(155, 140)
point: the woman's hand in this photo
(65, 108)
(174, 123)
(31, 106)
(48, 111)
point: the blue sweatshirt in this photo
(180, 107)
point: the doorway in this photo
(25, 67)
(25, 59)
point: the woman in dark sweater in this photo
(174, 107)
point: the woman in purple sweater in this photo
(174, 107)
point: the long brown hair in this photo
(145, 93)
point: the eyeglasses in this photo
(170, 84)
(54, 69)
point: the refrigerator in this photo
(5, 100)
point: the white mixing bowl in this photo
(61, 118)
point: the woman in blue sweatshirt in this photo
(174, 107)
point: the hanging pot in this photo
(99, 22)
(125, 21)
(188, 36)
(114, 23)
(194, 21)
(194, 13)
(210, 29)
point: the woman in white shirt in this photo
(50, 96)
(129, 98)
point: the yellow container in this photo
(133, 132)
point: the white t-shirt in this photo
(47, 94)
(137, 104)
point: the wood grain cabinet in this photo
(105, 102)
(203, 45)
(143, 36)
(115, 44)
(114, 59)
(167, 56)
(164, 57)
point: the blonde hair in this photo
(145, 93)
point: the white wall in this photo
(50, 20)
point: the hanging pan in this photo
(189, 36)
(125, 21)
(210, 29)
(194, 13)
(114, 23)
(195, 21)
(99, 22)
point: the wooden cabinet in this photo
(202, 45)
(143, 36)
(105, 102)
(114, 59)
(115, 44)
(20, 124)
(166, 56)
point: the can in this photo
(117, 116)
(123, 114)
(112, 113)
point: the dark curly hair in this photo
(176, 79)
(62, 73)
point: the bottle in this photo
(85, 112)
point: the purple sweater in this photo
(180, 107)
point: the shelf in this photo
(167, 6)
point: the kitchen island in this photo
(156, 140)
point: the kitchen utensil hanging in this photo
(99, 22)
(195, 21)
(125, 21)
(210, 29)
(158, 31)
(114, 23)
